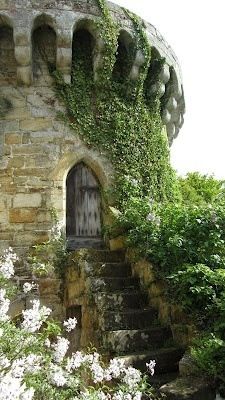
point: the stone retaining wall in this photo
(181, 325)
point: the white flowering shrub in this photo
(34, 363)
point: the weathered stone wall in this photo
(182, 326)
(36, 149)
(37, 153)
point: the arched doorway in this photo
(83, 208)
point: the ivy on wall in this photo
(117, 118)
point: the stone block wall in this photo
(182, 326)
(37, 151)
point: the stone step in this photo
(127, 319)
(189, 388)
(105, 284)
(123, 341)
(118, 284)
(109, 256)
(120, 300)
(103, 255)
(158, 380)
(76, 243)
(111, 269)
(167, 359)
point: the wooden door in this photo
(83, 203)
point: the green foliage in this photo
(142, 45)
(197, 189)
(209, 355)
(51, 256)
(200, 291)
(108, 32)
(186, 243)
(185, 235)
(114, 117)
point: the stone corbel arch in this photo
(8, 64)
(126, 39)
(100, 166)
(6, 20)
(46, 22)
(174, 106)
(90, 25)
(139, 58)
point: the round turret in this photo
(23, 22)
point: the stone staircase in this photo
(129, 327)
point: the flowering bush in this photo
(186, 242)
(34, 362)
(175, 234)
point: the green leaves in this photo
(124, 127)
(209, 355)
(201, 189)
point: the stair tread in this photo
(121, 292)
(146, 353)
(167, 359)
(132, 311)
(120, 278)
(158, 380)
(133, 331)
(119, 263)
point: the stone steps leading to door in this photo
(129, 327)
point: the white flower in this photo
(132, 377)
(56, 230)
(134, 182)
(47, 343)
(102, 396)
(75, 361)
(137, 396)
(17, 368)
(4, 305)
(60, 348)
(28, 394)
(70, 324)
(151, 367)
(32, 363)
(57, 376)
(7, 261)
(97, 372)
(12, 388)
(27, 287)
(4, 362)
(121, 396)
(34, 317)
(116, 368)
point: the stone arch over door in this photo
(83, 207)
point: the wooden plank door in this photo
(83, 203)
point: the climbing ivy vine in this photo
(115, 116)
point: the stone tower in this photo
(37, 150)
